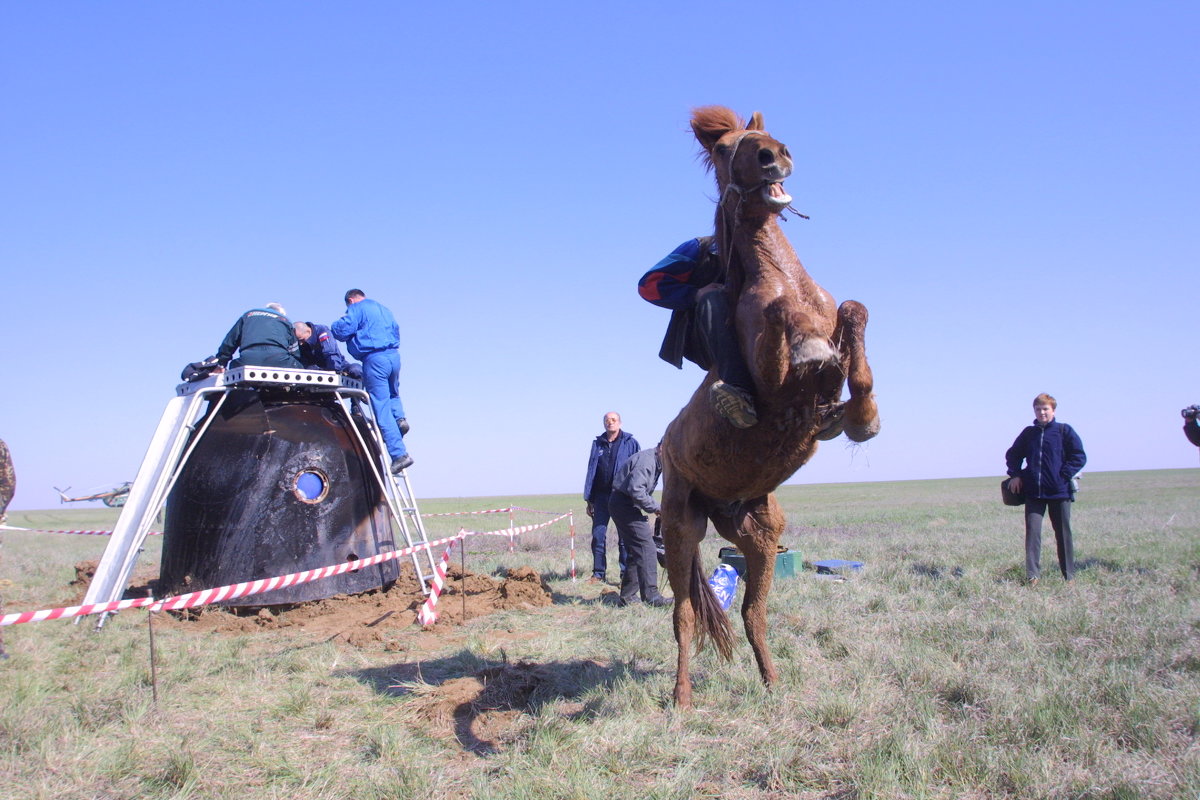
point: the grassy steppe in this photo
(934, 673)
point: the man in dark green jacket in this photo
(262, 337)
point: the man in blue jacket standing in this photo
(1053, 455)
(373, 337)
(610, 451)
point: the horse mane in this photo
(709, 124)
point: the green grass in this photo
(933, 673)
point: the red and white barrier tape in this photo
(465, 513)
(74, 611)
(249, 588)
(222, 593)
(78, 533)
(159, 533)
(427, 616)
(206, 596)
(520, 530)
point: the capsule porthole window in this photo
(310, 486)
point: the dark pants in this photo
(720, 340)
(265, 355)
(600, 519)
(1060, 520)
(637, 534)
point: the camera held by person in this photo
(1191, 424)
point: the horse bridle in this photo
(742, 191)
(732, 186)
(731, 221)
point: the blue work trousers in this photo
(600, 517)
(381, 377)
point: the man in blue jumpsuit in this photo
(373, 337)
(262, 337)
(319, 350)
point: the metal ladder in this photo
(397, 490)
(166, 456)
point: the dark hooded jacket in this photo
(1052, 454)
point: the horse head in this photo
(749, 163)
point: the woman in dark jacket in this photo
(1053, 455)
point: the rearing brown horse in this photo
(801, 350)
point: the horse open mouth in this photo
(773, 194)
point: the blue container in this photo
(724, 583)
(835, 566)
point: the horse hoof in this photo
(861, 433)
(811, 350)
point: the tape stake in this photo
(427, 616)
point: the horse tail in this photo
(711, 619)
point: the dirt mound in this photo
(362, 620)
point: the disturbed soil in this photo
(483, 712)
(361, 620)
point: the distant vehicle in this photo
(113, 498)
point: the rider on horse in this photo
(691, 282)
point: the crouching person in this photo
(631, 500)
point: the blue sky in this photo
(1010, 188)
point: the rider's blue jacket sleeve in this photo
(668, 284)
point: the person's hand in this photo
(218, 370)
(1015, 485)
(591, 510)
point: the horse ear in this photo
(756, 122)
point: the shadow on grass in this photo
(477, 698)
(1110, 566)
(1016, 573)
(936, 571)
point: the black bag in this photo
(199, 370)
(1007, 495)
